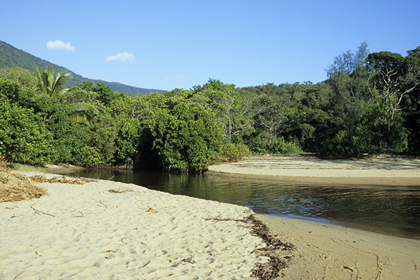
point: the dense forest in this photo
(368, 105)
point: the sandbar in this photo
(384, 170)
(327, 251)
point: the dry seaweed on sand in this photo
(63, 180)
(273, 242)
(276, 261)
(16, 187)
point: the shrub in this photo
(234, 152)
(263, 144)
(89, 157)
(23, 136)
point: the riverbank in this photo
(326, 251)
(386, 170)
(114, 230)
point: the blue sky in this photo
(178, 44)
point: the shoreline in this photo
(319, 180)
(311, 170)
(113, 229)
(328, 251)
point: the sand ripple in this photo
(88, 232)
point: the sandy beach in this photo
(110, 230)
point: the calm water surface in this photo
(383, 209)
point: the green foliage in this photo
(342, 145)
(17, 74)
(23, 136)
(124, 110)
(232, 107)
(127, 140)
(366, 106)
(185, 134)
(16, 93)
(69, 137)
(50, 84)
(349, 98)
(89, 91)
(234, 151)
(269, 144)
(105, 93)
(90, 157)
(103, 133)
(349, 62)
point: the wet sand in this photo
(326, 251)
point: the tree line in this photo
(368, 105)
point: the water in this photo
(382, 209)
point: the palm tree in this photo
(51, 84)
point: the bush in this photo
(89, 157)
(185, 135)
(234, 152)
(267, 144)
(23, 136)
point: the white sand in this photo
(87, 232)
(308, 169)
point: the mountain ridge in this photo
(11, 56)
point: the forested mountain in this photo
(11, 57)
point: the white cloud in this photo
(122, 57)
(60, 45)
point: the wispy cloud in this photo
(122, 57)
(60, 45)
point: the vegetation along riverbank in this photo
(368, 105)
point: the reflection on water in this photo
(391, 210)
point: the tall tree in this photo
(349, 61)
(349, 95)
(411, 103)
(49, 83)
(393, 77)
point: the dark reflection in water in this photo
(383, 209)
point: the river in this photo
(382, 209)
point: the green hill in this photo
(11, 57)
